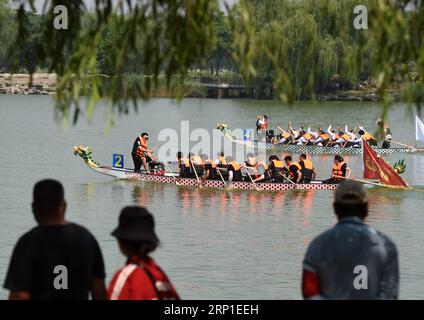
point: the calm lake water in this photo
(215, 244)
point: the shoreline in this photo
(45, 84)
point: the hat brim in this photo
(129, 235)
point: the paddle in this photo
(169, 170)
(195, 172)
(288, 141)
(406, 145)
(371, 183)
(251, 179)
(287, 179)
(222, 178)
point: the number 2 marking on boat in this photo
(118, 161)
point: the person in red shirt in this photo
(141, 278)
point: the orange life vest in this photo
(213, 164)
(324, 136)
(286, 135)
(307, 136)
(185, 161)
(197, 160)
(368, 136)
(264, 125)
(345, 137)
(278, 166)
(222, 160)
(235, 165)
(142, 147)
(278, 163)
(308, 164)
(337, 171)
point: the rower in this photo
(276, 169)
(354, 141)
(259, 172)
(339, 171)
(141, 154)
(197, 163)
(210, 169)
(308, 170)
(322, 139)
(295, 133)
(251, 160)
(233, 170)
(184, 168)
(284, 137)
(333, 136)
(344, 138)
(221, 163)
(368, 137)
(305, 139)
(294, 169)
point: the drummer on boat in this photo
(385, 132)
(141, 154)
(261, 123)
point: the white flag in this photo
(419, 129)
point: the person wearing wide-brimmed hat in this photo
(141, 278)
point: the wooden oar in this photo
(362, 181)
(251, 179)
(169, 170)
(220, 174)
(286, 178)
(195, 172)
(372, 183)
(406, 145)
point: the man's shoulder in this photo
(40, 232)
(79, 229)
(389, 244)
(347, 227)
(29, 236)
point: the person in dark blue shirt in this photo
(351, 260)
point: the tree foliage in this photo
(298, 45)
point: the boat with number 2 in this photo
(172, 178)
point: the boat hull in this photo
(127, 174)
(317, 149)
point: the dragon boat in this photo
(308, 149)
(172, 178)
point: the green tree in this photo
(7, 32)
(298, 44)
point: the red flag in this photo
(369, 165)
(377, 168)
